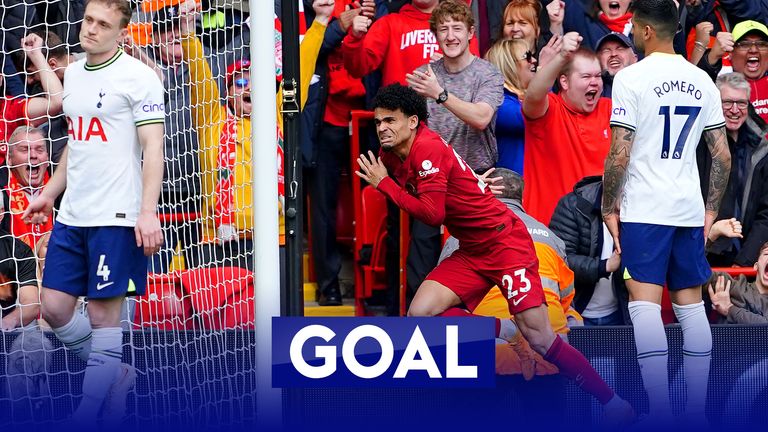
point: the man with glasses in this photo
(746, 197)
(747, 47)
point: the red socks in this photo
(575, 366)
(459, 312)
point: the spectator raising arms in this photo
(604, 17)
(747, 47)
(225, 132)
(565, 133)
(15, 112)
(517, 65)
(396, 44)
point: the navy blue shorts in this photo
(96, 262)
(658, 253)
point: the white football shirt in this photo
(104, 105)
(668, 102)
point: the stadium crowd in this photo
(522, 86)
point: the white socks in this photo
(76, 335)
(101, 371)
(697, 352)
(652, 353)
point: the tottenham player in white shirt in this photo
(661, 108)
(107, 224)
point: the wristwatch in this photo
(442, 97)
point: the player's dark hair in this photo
(399, 97)
(123, 6)
(763, 247)
(661, 15)
(513, 183)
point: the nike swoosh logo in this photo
(101, 286)
(517, 301)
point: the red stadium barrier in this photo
(735, 272)
(164, 305)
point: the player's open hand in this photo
(148, 233)
(612, 223)
(38, 210)
(720, 294)
(371, 169)
(494, 183)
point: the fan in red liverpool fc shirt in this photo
(432, 183)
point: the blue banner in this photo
(383, 352)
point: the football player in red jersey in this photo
(424, 176)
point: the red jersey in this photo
(561, 148)
(436, 186)
(403, 39)
(759, 96)
(13, 113)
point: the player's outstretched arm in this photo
(613, 179)
(148, 231)
(718, 174)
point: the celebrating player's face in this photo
(584, 85)
(453, 37)
(100, 29)
(393, 128)
(29, 160)
(749, 58)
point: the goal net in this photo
(190, 337)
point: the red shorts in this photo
(507, 261)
